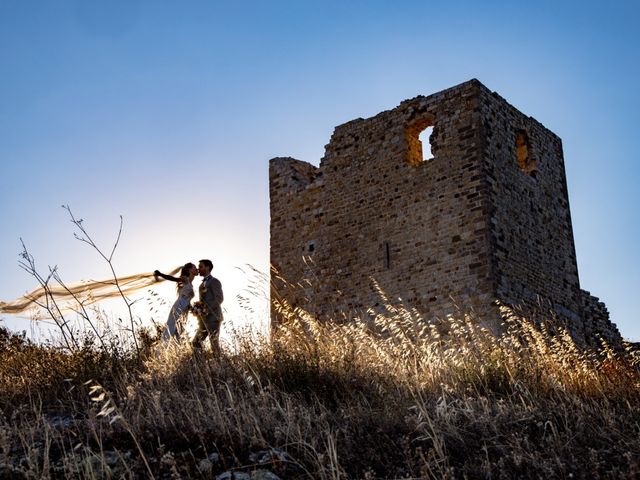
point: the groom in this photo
(211, 296)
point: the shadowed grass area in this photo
(385, 399)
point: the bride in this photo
(180, 308)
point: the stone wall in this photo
(532, 236)
(487, 218)
(595, 320)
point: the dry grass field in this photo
(390, 399)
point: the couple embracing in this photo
(207, 310)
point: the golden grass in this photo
(390, 398)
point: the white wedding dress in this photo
(178, 312)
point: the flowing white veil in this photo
(88, 292)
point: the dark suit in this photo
(211, 295)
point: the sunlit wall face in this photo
(167, 115)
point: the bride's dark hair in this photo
(184, 272)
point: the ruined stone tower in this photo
(484, 218)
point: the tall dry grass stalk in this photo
(388, 398)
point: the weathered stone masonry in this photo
(487, 218)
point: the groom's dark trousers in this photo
(211, 295)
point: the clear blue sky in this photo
(167, 112)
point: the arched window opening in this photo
(419, 142)
(523, 151)
(425, 140)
